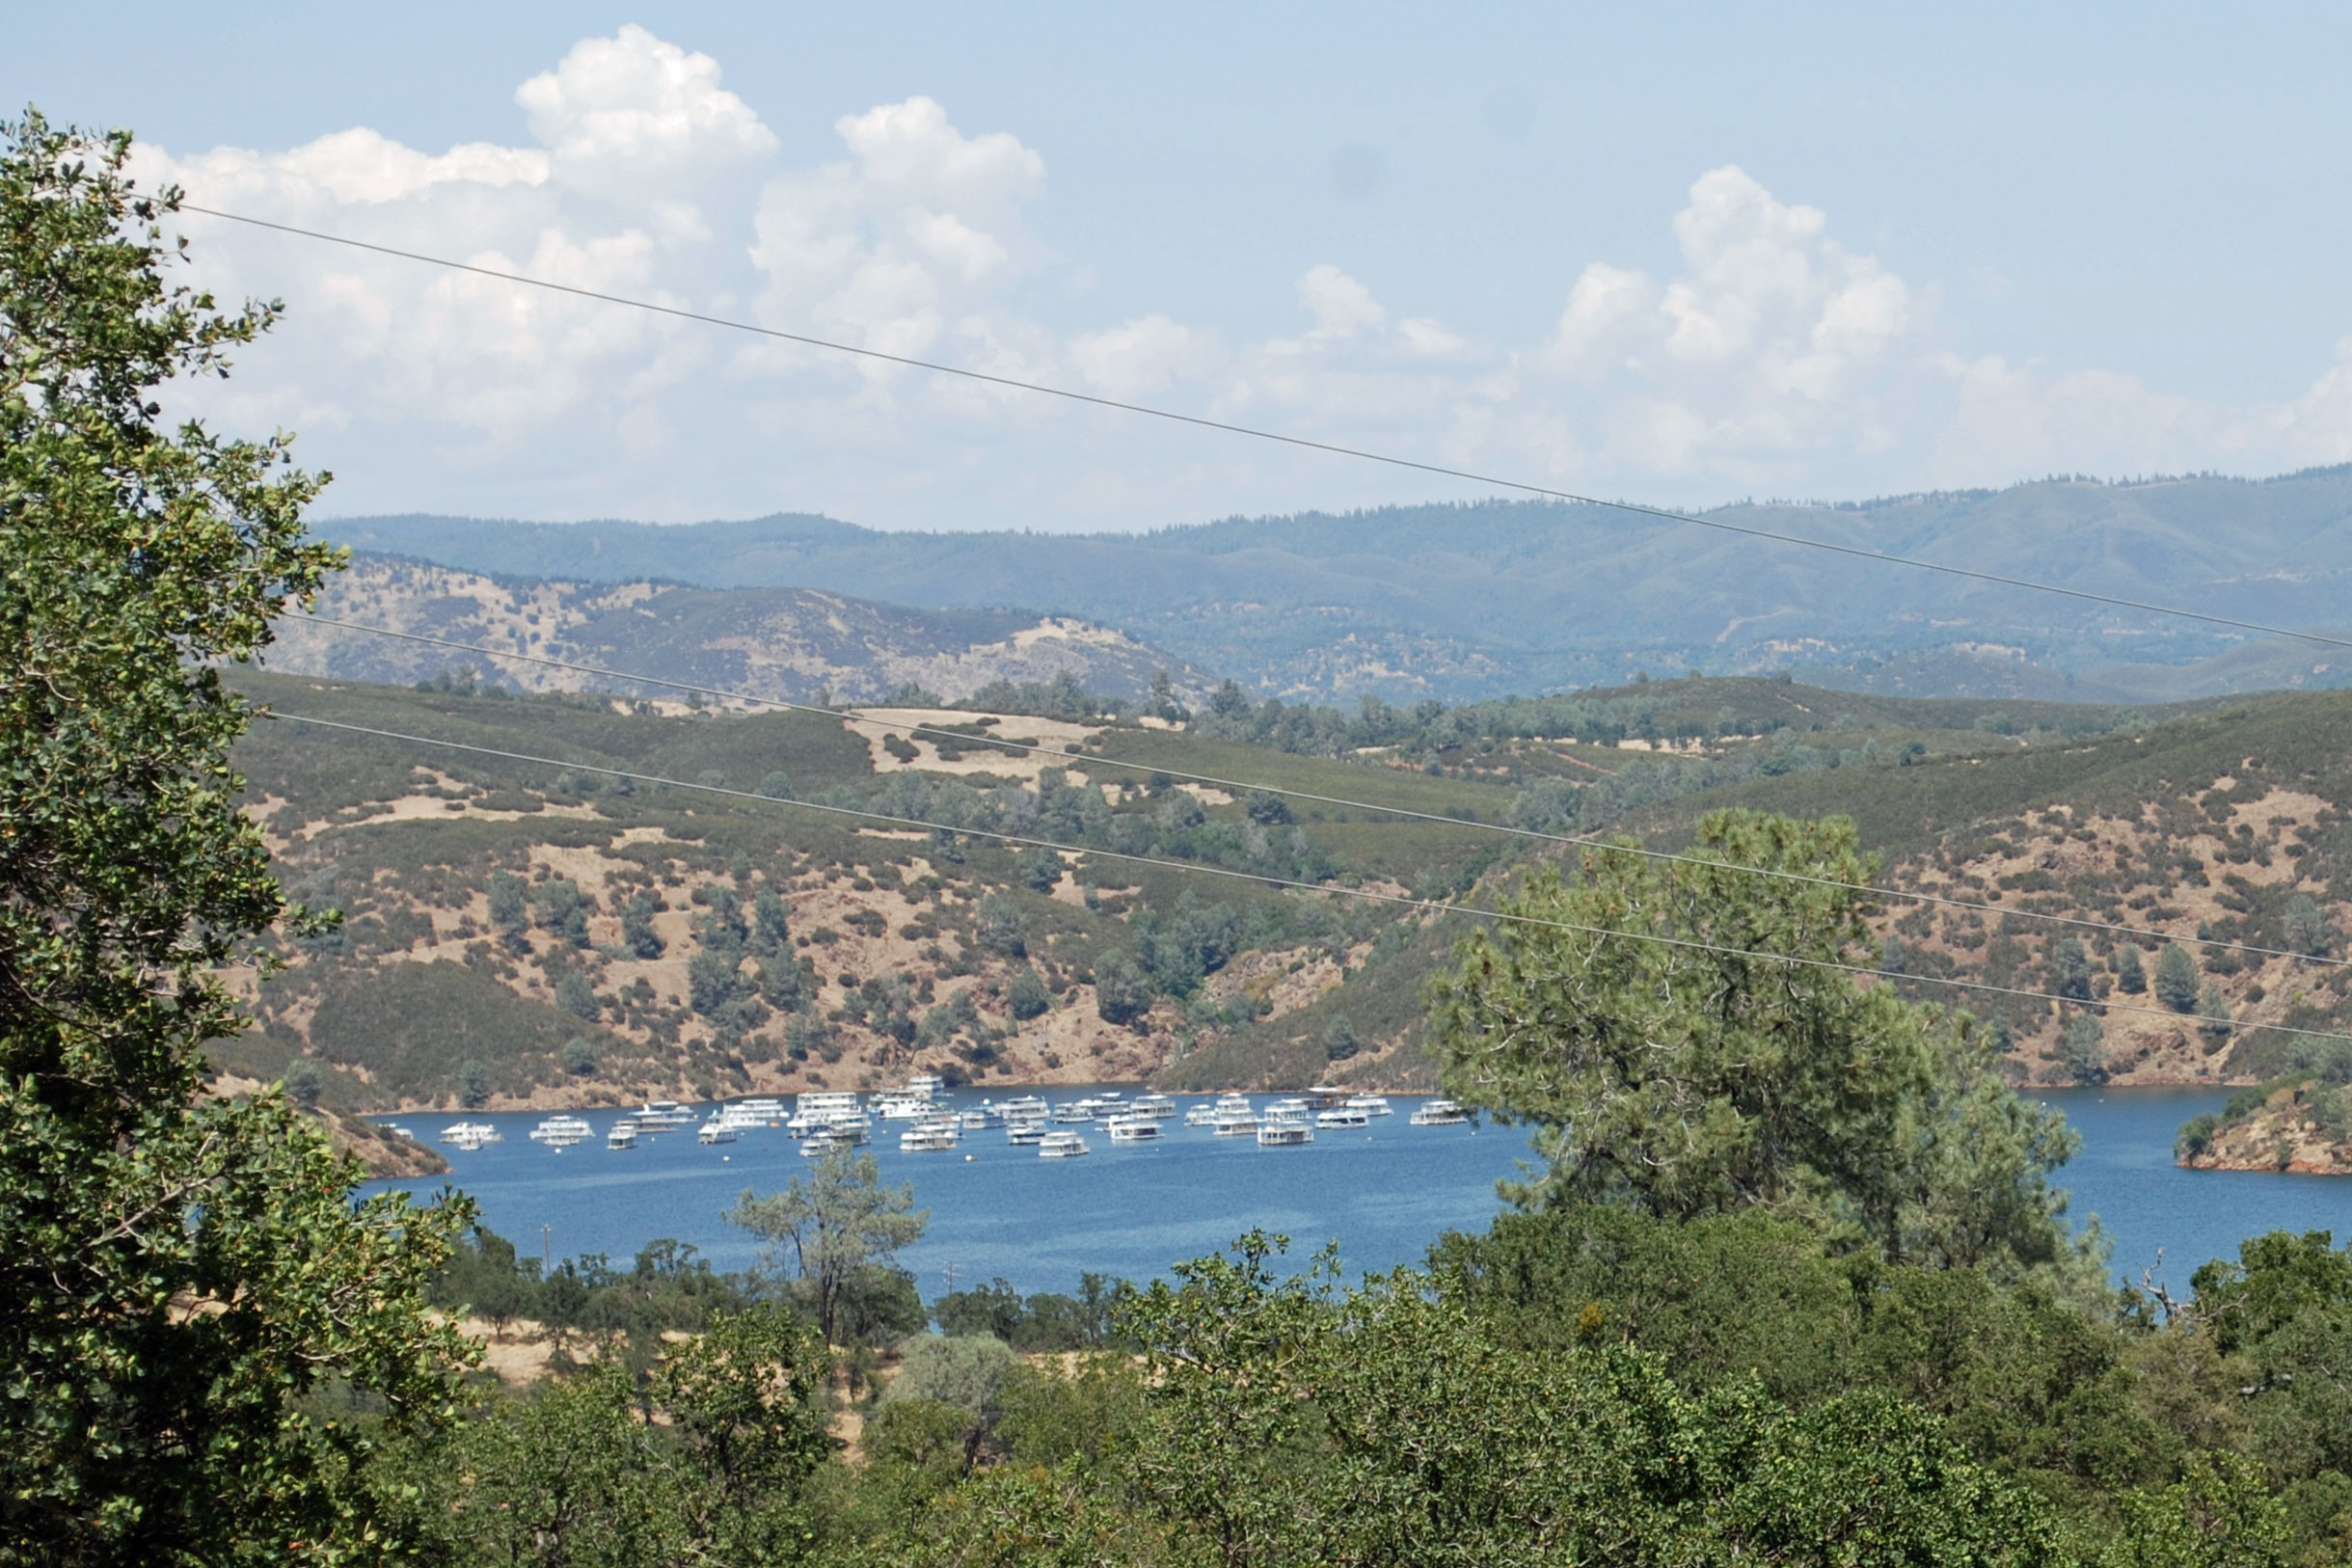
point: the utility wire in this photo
(1359, 454)
(1585, 841)
(1435, 906)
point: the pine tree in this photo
(2176, 978)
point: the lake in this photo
(1383, 1194)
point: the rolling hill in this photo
(576, 936)
(1477, 600)
(797, 644)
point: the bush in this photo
(1266, 808)
(2176, 978)
(1028, 995)
(1340, 1041)
(1040, 870)
(575, 996)
(637, 933)
(509, 913)
(2082, 1049)
(1121, 993)
(776, 784)
(713, 980)
(2213, 1014)
(967, 1373)
(998, 927)
(579, 1056)
(303, 1082)
(473, 1083)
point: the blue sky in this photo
(1677, 252)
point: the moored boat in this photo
(1439, 1113)
(1061, 1146)
(937, 1135)
(1234, 1118)
(1130, 1127)
(1342, 1115)
(1284, 1131)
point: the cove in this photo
(1382, 1194)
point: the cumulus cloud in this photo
(1771, 356)
(633, 107)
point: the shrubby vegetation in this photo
(1794, 1285)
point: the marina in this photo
(1133, 1207)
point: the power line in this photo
(1585, 841)
(1359, 454)
(1266, 878)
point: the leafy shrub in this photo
(1122, 995)
(1027, 995)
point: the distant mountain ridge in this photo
(1472, 600)
(797, 644)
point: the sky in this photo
(1675, 253)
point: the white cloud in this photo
(1143, 356)
(1769, 357)
(633, 107)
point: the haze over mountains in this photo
(1472, 601)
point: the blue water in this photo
(2126, 1175)
(1383, 1194)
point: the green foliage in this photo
(2212, 1015)
(579, 1056)
(413, 1026)
(1027, 995)
(2082, 1049)
(473, 1083)
(575, 996)
(771, 924)
(2309, 930)
(963, 1374)
(998, 927)
(2218, 1515)
(1266, 808)
(2130, 974)
(1048, 1322)
(1286, 1423)
(509, 909)
(1121, 994)
(303, 1083)
(2069, 974)
(638, 932)
(1695, 1079)
(1340, 1041)
(2176, 978)
(829, 1229)
(1040, 870)
(714, 981)
(576, 1477)
(178, 1273)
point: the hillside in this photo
(797, 644)
(2299, 1124)
(2232, 822)
(519, 935)
(582, 938)
(1474, 601)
